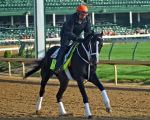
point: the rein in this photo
(89, 54)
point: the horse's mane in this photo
(89, 35)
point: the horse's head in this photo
(94, 39)
(93, 44)
(97, 41)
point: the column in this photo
(54, 21)
(130, 17)
(64, 18)
(93, 18)
(12, 20)
(39, 28)
(114, 17)
(27, 22)
(138, 16)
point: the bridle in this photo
(89, 54)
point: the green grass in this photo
(126, 73)
(125, 51)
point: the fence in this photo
(122, 62)
(126, 39)
(22, 60)
(101, 62)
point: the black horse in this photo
(83, 66)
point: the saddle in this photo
(66, 59)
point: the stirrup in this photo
(58, 70)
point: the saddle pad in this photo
(54, 55)
(67, 57)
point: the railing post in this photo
(134, 51)
(9, 66)
(27, 51)
(111, 50)
(23, 70)
(115, 71)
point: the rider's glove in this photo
(80, 40)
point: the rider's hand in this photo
(80, 40)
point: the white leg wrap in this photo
(38, 105)
(62, 109)
(105, 97)
(87, 108)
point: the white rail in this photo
(57, 39)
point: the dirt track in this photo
(19, 97)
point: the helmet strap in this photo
(78, 13)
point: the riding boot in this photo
(59, 62)
(64, 45)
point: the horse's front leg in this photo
(94, 79)
(85, 98)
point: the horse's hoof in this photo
(24, 78)
(108, 110)
(37, 111)
(90, 116)
(63, 114)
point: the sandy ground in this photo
(19, 97)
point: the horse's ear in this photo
(101, 33)
(93, 32)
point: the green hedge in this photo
(7, 54)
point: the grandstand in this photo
(109, 15)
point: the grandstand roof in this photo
(15, 7)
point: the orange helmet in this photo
(82, 9)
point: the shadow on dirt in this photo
(77, 118)
(86, 86)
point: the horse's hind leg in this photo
(45, 77)
(94, 79)
(63, 86)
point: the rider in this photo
(71, 30)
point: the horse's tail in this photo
(45, 60)
(35, 69)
